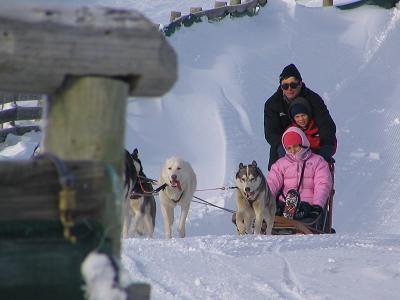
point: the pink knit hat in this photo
(291, 138)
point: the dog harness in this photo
(164, 186)
(179, 199)
(258, 190)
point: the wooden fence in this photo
(221, 10)
(11, 111)
(56, 209)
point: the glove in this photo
(303, 211)
(281, 151)
(326, 152)
(316, 210)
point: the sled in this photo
(320, 225)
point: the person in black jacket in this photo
(277, 119)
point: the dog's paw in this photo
(168, 235)
(241, 230)
(182, 233)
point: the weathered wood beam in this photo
(20, 113)
(241, 8)
(174, 15)
(82, 41)
(30, 190)
(13, 97)
(195, 9)
(219, 4)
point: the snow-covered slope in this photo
(213, 117)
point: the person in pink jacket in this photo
(286, 174)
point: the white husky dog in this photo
(180, 184)
(253, 200)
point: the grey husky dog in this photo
(140, 205)
(253, 200)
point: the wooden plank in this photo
(39, 260)
(219, 12)
(30, 190)
(41, 264)
(174, 15)
(14, 97)
(216, 13)
(195, 9)
(241, 8)
(219, 4)
(281, 222)
(82, 41)
(20, 113)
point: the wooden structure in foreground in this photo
(56, 209)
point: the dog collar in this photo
(179, 199)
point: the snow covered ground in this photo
(213, 117)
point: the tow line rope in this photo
(219, 188)
(200, 200)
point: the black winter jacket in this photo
(276, 120)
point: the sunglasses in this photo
(293, 85)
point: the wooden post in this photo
(88, 61)
(219, 4)
(235, 2)
(327, 3)
(195, 10)
(174, 15)
(86, 121)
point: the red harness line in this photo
(153, 181)
(142, 187)
(220, 188)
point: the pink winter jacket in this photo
(286, 173)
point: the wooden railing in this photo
(221, 9)
(12, 110)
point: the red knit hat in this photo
(291, 138)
